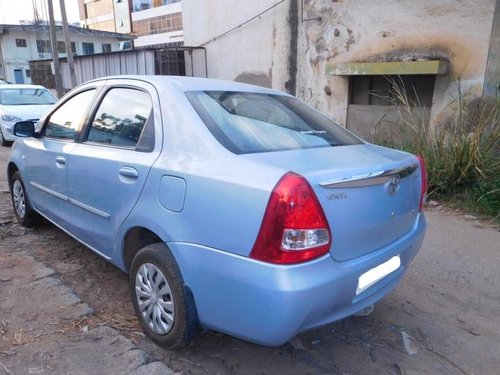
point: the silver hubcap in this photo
(19, 199)
(154, 298)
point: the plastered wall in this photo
(458, 31)
(257, 52)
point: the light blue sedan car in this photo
(234, 208)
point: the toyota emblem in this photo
(393, 185)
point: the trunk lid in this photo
(370, 194)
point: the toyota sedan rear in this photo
(234, 208)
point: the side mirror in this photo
(24, 129)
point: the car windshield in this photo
(249, 122)
(33, 96)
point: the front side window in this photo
(249, 122)
(20, 42)
(121, 118)
(66, 121)
(26, 96)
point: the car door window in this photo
(121, 118)
(66, 121)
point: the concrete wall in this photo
(382, 123)
(349, 31)
(122, 17)
(393, 30)
(100, 15)
(492, 79)
(257, 52)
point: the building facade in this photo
(157, 23)
(105, 15)
(340, 55)
(20, 44)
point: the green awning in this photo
(388, 68)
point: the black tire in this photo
(157, 258)
(3, 142)
(25, 214)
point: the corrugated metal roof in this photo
(72, 30)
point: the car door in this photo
(111, 163)
(47, 164)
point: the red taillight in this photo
(294, 228)
(423, 183)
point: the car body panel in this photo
(268, 304)
(99, 208)
(46, 175)
(207, 204)
(118, 176)
(361, 218)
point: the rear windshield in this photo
(248, 122)
(26, 97)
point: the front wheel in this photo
(3, 141)
(158, 296)
(25, 214)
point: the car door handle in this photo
(61, 161)
(129, 172)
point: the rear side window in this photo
(66, 121)
(247, 122)
(121, 118)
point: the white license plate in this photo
(376, 274)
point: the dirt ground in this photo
(62, 307)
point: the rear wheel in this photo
(158, 296)
(25, 214)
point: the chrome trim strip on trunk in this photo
(369, 179)
(51, 192)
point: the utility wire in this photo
(242, 24)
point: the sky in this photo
(12, 11)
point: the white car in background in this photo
(21, 103)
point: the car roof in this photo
(22, 86)
(195, 83)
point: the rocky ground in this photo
(64, 310)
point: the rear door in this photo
(111, 163)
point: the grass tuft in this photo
(462, 155)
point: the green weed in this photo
(462, 155)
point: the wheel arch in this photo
(135, 239)
(11, 169)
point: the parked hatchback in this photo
(234, 208)
(21, 103)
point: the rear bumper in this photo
(268, 304)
